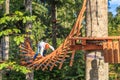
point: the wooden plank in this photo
(43, 62)
(48, 62)
(55, 59)
(95, 38)
(72, 58)
(83, 42)
(73, 42)
(116, 51)
(86, 47)
(110, 51)
(105, 51)
(62, 55)
(119, 50)
(52, 62)
(63, 59)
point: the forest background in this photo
(51, 19)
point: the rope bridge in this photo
(57, 57)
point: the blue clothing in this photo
(44, 52)
(37, 54)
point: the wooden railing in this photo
(110, 46)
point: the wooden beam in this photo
(110, 51)
(86, 47)
(116, 51)
(83, 42)
(105, 51)
(72, 58)
(95, 38)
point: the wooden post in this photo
(116, 52)
(72, 58)
(105, 51)
(118, 48)
(110, 51)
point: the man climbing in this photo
(42, 48)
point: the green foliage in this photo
(19, 39)
(114, 23)
(14, 66)
(114, 30)
(38, 31)
(17, 5)
(28, 19)
(12, 75)
(14, 24)
(17, 16)
(9, 31)
(1, 1)
(38, 8)
(68, 12)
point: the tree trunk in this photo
(54, 28)
(0, 51)
(5, 47)
(30, 76)
(4, 44)
(96, 25)
(0, 60)
(28, 7)
(1, 75)
(5, 39)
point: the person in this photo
(42, 48)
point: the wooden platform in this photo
(109, 45)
